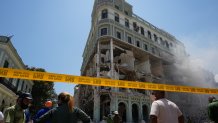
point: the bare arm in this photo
(83, 116)
(181, 119)
(153, 119)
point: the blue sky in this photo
(51, 34)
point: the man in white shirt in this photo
(1, 117)
(164, 111)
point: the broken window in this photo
(149, 34)
(104, 14)
(142, 31)
(129, 40)
(119, 35)
(117, 19)
(117, 7)
(102, 60)
(126, 22)
(119, 61)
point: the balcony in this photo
(8, 84)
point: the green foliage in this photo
(41, 92)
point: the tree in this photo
(41, 92)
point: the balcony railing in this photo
(8, 84)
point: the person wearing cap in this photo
(164, 111)
(66, 112)
(46, 108)
(16, 113)
(213, 109)
(116, 118)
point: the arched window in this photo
(122, 111)
(135, 113)
(104, 14)
(145, 113)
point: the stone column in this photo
(97, 59)
(96, 117)
(140, 109)
(129, 111)
(113, 103)
(112, 58)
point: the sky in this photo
(52, 34)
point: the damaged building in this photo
(123, 46)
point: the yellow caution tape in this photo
(53, 77)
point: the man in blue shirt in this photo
(47, 107)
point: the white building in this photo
(9, 58)
(123, 46)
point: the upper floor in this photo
(115, 18)
(9, 58)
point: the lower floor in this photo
(132, 107)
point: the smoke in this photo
(199, 69)
(202, 48)
(216, 78)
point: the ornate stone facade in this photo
(9, 58)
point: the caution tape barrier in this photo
(53, 77)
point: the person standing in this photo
(116, 118)
(46, 108)
(16, 113)
(164, 111)
(1, 117)
(65, 112)
(213, 109)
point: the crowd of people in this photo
(112, 118)
(162, 111)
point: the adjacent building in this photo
(9, 58)
(123, 46)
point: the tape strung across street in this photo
(53, 77)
